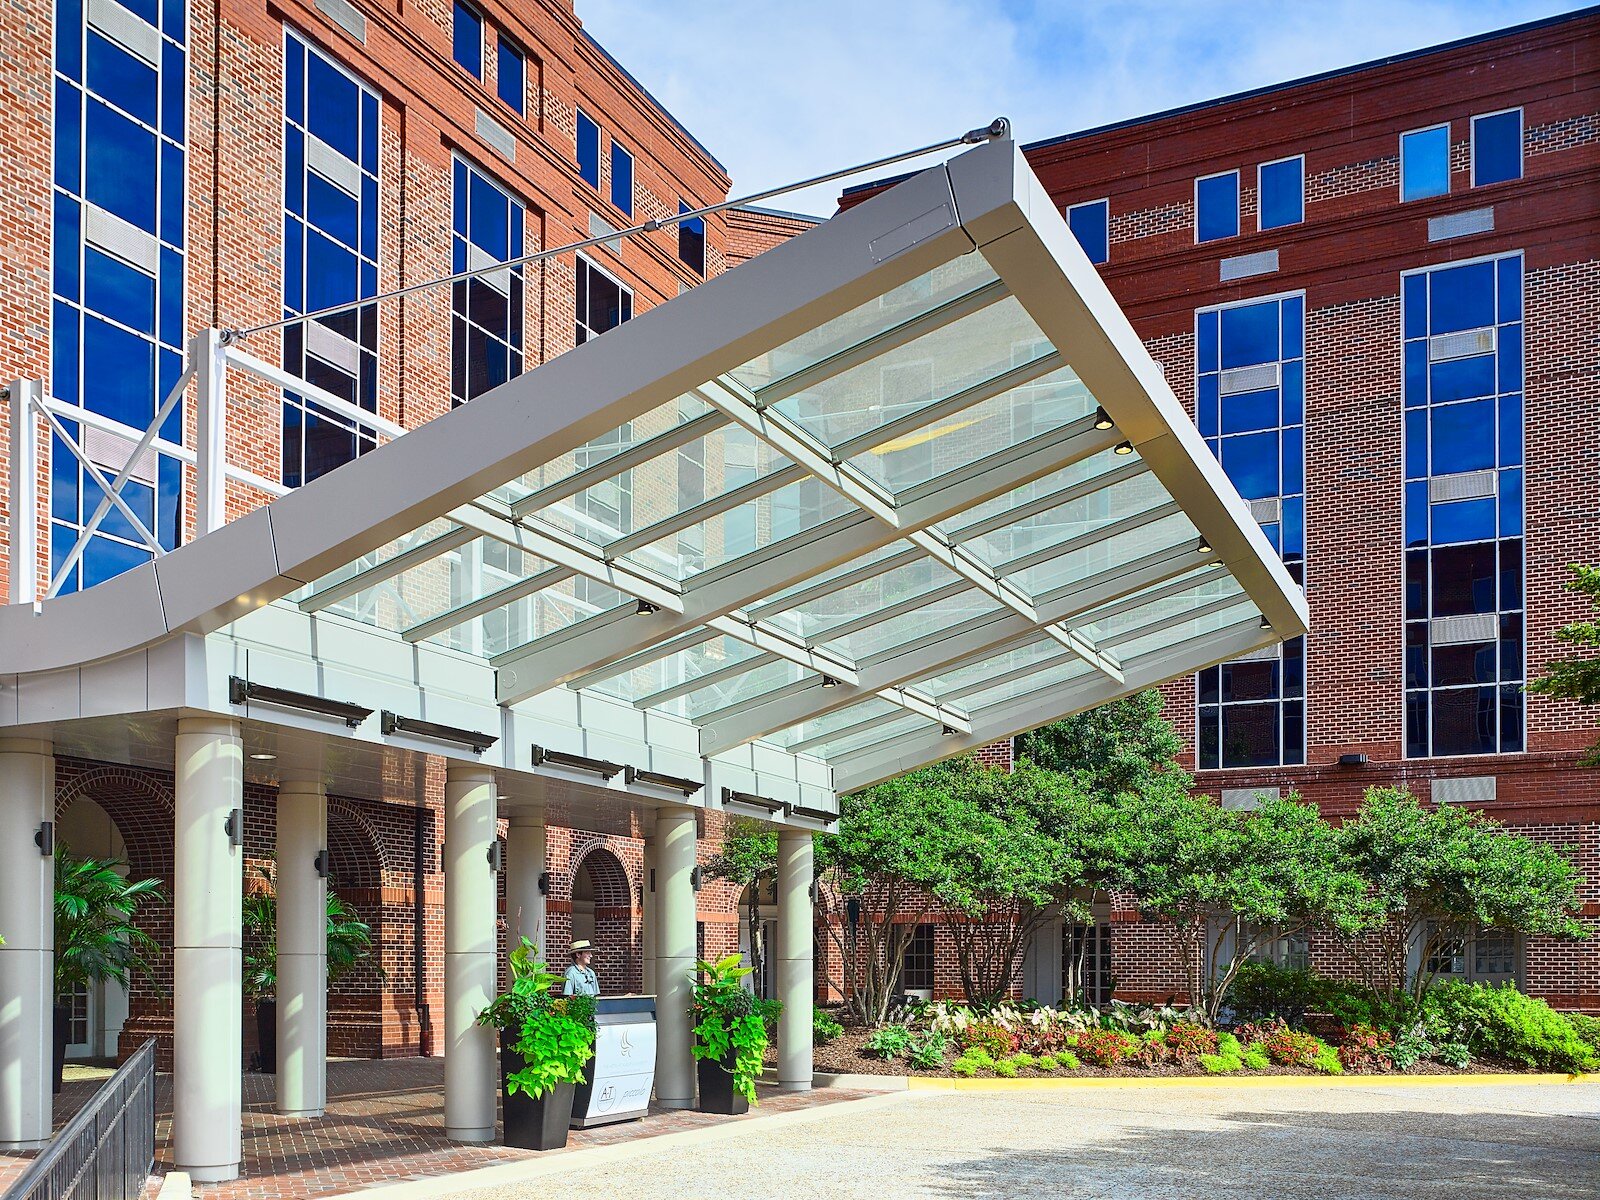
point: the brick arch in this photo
(357, 867)
(140, 806)
(616, 918)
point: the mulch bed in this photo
(843, 1056)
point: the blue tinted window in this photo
(1249, 335)
(1206, 351)
(1283, 197)
(1425, 163)
(588, 150)
(1216, 203)
(467, 39)
(1461, 298)
(120, 166)
(1463, 521)
(126, 81)
(1497, 148)
(692, 241)
(487, 313)
(1090, 225)
(621, 178)
(119, 291)
(1251, 462)
(1250, 411)
(508, 84)
(1463, 437)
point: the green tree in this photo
(96, 938)
(748, 858)
(1437, 875)
(1018, 844)
(877, 877)
(1578, 678)
(1115, 749)
(1231, 883)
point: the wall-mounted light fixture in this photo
(45, 838)
(544, 883)
(234, 826)
(320, 862)
(497, 855)
(694, 879)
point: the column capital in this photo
(302, 784)
(26, 745)
(209, 725)
(459, 771)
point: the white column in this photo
(27, 960)
(471, 1074)
(211, 419)
(796, 986)
(24, 491)
(207, 1004)
(524, 864)
(675, 946)
(302, 948)
(648, 910)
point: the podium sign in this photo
(622, 1071)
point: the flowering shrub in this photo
(1367, 1049)
(1104, 1047)
(1284, 1046)
(992, 1038)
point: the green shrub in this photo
(1411, 1046)
(1068, 1061)
(1021, 1059)
(965, 1067)
(1503, 1023)
(989, 1036)
(1453, 1054)
(1264, 991)
(1587, 1028)
(1326, 1060)
(1255, 1059)
(1046, 1063)
(889, 1042)
(1228, 1044)
(927, 1052)
(982, 1057)
(1287, 1047)
(1006, 1069)
(823, 1027)
(1220, 1064)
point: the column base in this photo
(304, 1114)
(471, 1136)
(674, 1104)
(794, 1085)
(210, 1174)
(20, 1147)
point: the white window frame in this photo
(1103, 203)
(1448, 182)
(1260, 167)
(595, 266)
(1238, 203)
(1472, 144)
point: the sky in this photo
(783, 91)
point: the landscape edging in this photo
(933, 1083)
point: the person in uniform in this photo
(581, 979)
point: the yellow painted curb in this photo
(926, 1083)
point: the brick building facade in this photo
(179, 167)
(1376, 292)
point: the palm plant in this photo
(349, 938)
(96, 938)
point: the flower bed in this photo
(1460, 1030)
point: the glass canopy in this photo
(960, 504)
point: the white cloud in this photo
(779, 92)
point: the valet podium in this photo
(623, 1069)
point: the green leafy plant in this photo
(1264, 991)
(991, 1037)
(891, 1041)
(927, 1052)
(349, 937)
(966, 1067)
(1046, 1063)
(553, 1034)
(1006, 1068)
(1284, 1046)
(1068, 1061)
(1326, 1060)
(824, 1028)
(730, 1023)
(1255, 1058)
(96, 940)
(1219, 1064)
(1500, 1022)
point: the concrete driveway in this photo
(1528, 1142)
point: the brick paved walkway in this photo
(384, 1123)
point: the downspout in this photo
(418, 924)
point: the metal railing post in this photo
(211, 432)
(24, 541)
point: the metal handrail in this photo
(106, 1151)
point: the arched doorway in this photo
(356, 876)
(98, 1012)
(603, 912)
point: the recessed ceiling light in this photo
(263, 756)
